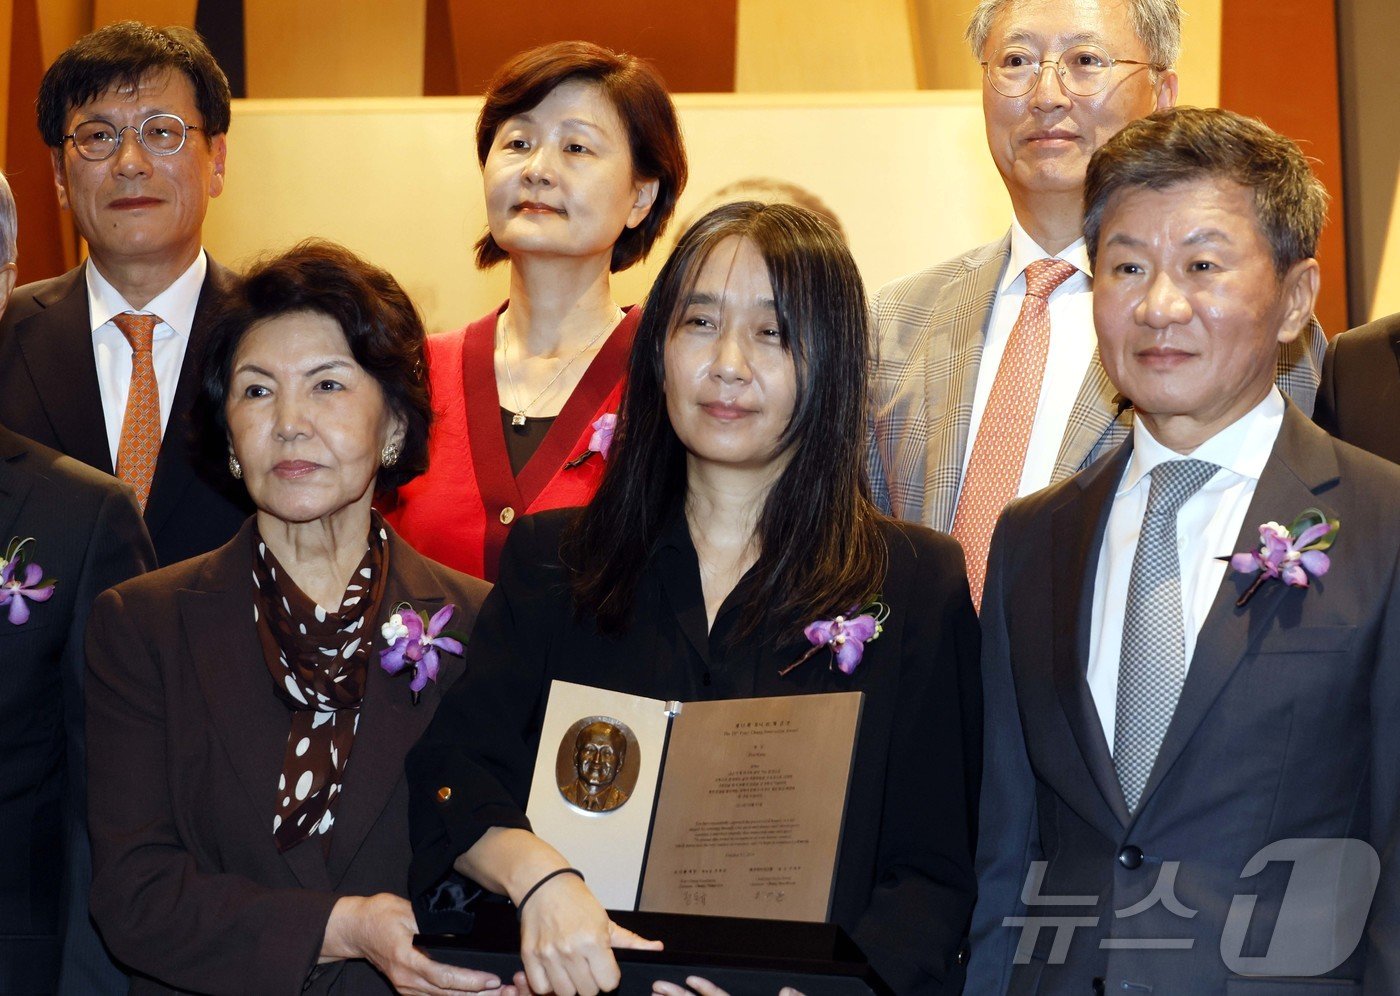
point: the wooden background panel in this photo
(158, 12)
(46, 242)
(7, 18)
(1279, 64)
(690, 42)
(354, 48)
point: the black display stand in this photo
(745, 957)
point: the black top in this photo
(523, 440)
(904, 883)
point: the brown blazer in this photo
(185, 746)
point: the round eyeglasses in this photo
(1083, 70)
(159, 134)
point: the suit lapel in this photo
(247, 716)
(14, 486)
(1077, 530)
(1094, 413)
(964, 306)
(1302, 465)
(390, 723)
(56, 344)
(175, 467)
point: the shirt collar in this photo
(174, 306)
(1243, 447)
(675, 531)
(1025, 251)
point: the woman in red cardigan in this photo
(582, 163)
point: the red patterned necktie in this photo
(140, 442)
(999, 452)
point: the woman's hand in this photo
(702, 987)
(566, 940)
(380, 930)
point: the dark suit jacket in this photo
(87, 536)
(186, 740)
(1288, 726)
(1359, 400)
(49, 392)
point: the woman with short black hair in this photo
(249, 710)
(582, 162)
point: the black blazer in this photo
(904, 881)
(1359, 399)
(186, 740)
(1288, 727)
(49, 392)
(87, 536)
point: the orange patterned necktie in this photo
(140, 442)
(999, 452)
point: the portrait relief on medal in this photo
(597, 764)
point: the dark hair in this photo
(122, 55)
(820, 547)
(640, 99)
(1183, 144)
(381, 326)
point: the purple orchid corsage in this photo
(846, 636)
(416, 640)
(601, 440)
(1292, 554)
(21, 579)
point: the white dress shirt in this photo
(175, 308)
(1207, 528)
(1072, 343)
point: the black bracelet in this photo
(520, 906)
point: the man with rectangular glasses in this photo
(987, 384)
(100, 363)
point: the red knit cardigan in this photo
(461, 510)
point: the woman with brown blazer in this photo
(250, 709)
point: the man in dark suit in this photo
(102, 362)
(83, 531)
(1191, 781)
(1359, 400)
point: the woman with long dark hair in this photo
(582, 162)
(733, 515)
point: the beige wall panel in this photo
(824, 45)
(907, 174)
(1370, 84)
(159, 12)
(352, 48)
(1384, 299)
(1199, 65)
(946, 60)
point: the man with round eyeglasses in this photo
(987, 385)
(99, 363)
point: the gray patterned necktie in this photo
(1152, 661)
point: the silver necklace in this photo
(518, 419)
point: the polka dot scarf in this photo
(319, 662)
